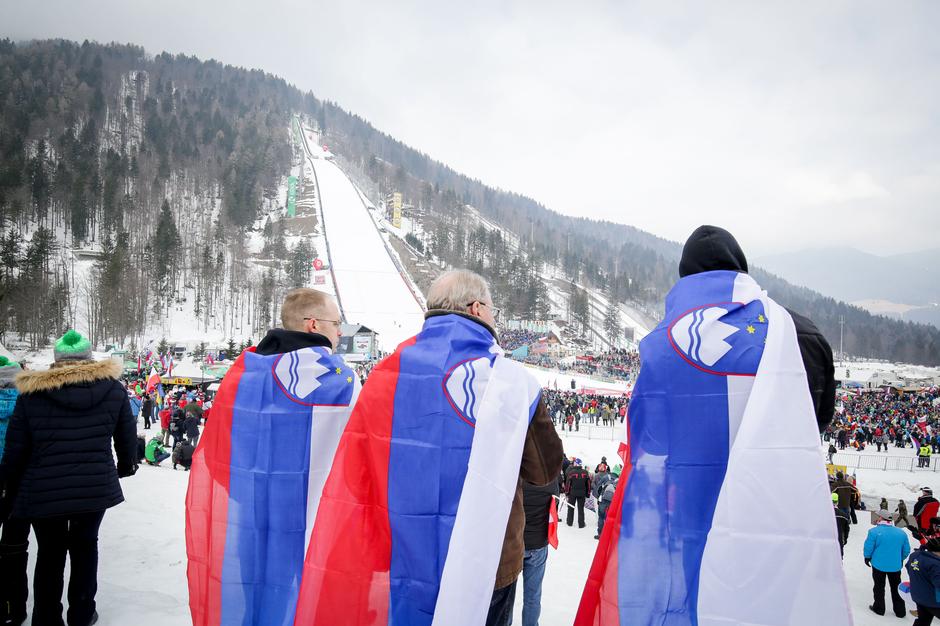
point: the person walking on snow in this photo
(885, 549)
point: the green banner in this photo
(291, 196)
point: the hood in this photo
(280, 341)
(711, 248)
(76, 384)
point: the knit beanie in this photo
(72, 347)
(8, 371)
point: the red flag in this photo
(553, 524)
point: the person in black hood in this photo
(710, 248)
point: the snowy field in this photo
(142, 572)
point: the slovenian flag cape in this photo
(256, 480)
(722, 514)
(413, 516)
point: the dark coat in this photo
(577, 482)
(924, 569)
(58, 458)
(191, 426)
(537, 501)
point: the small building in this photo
(358, 343)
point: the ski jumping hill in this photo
(369, 286)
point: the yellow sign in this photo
(832, 469)
(177, 381)
(396, 201)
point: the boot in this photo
(13, 584)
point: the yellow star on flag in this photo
(339, 370)
(761, 318)
(750, 329)
(349, 379)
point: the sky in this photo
(793, 124)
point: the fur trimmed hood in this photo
(67, 373)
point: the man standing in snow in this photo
(886, 547)
(727, 370)
(260, 469)
(447, 406)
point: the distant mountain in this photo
(855, 276)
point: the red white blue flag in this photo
(412, 520)
(256, 481)
(721, 413)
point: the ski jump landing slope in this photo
(370, 289)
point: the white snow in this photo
(142, 569)
(370, 288)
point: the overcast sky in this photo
(802, 124)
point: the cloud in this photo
(791, 122)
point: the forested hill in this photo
(166, 166)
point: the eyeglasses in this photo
(336, 323)
(496, 311)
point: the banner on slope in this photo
(721, 410)
(256, 480)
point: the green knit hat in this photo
(72, 347)
(6, 362)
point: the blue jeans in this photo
(533, 570)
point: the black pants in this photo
(500, 613)
(148, 417)
(925, 615)
(14, 586)
(76, 535)
(894, 579)
(577, 501)
(852, 515)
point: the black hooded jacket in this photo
(711, 248)
(280, 341)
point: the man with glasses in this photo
(449, 407)
(262, 460)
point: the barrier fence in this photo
(594, 431)
(885, 462)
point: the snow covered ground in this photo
(370, 288)
(142, 571)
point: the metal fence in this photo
(885, 462)
(594, 431)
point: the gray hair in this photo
(454, 290)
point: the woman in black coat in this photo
(60, 467)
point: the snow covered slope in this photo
(370, 288)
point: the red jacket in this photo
(165, 419)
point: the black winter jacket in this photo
(58, 458)
(577, 482)
(536, 502)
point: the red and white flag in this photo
(153, 380)
(553, 523)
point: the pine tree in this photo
(612, 323)
(165, 244)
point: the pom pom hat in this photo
(72, 347)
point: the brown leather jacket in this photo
(542, 455)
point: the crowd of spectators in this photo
(569, 409)
(620, 364)
(510, 340)
(886, 418)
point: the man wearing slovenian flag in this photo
(721, 413)
(421, 520)
(258, 471)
